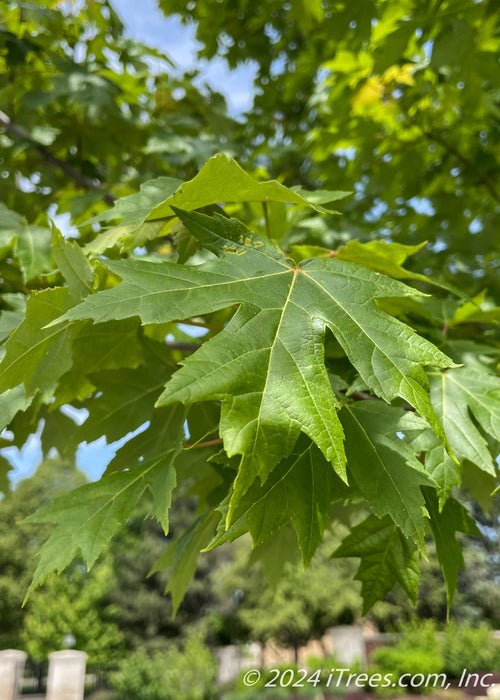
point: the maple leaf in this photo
(387, 557)
(301, 488)
(88, 517)
(464, 399)
(182, 555)
(452, 518)
(384, 467)
(35, 355)
(459, 394)
(267, 365)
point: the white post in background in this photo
(11, 673)
(66, 679)
(347, 644)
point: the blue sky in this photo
(147, 24)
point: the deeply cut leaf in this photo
(267, 365)
(222, 180)
(387, 557)
(301, 488)
(384, 467)
(88, 517)
(35, 355)
(445, 524)
(459, 394)
(183, 555)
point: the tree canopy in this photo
(215, 319)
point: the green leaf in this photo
(11, 316)
(11, 402)
(125, 401)
(10, 219)
(385, 468)
(476, 311)
(301, 488)
(445, 472)
(96, 348)
(277, 333)
(222, 180)
(135, 207)
(459, 395)
(145, 446)
(35, 355)
(445, 524)
(479, 486)
(88, 517)
(274, 553)
(182, 555)
(387, 258)
(73, 265)
(387, 557)
(33, 251)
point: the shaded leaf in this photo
(88, 517)
(445, 524)
(182, 555)
(301, 488)
(384, 467)
(387, 557)
(73, 265)
(35, 355)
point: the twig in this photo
(16, 131)
(182, 346)
(364, 396)
(206, 443)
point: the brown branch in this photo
(182, 346)
(206, 443)
(86, 183)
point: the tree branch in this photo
(364, 396)
(18, 132)
(182, 346)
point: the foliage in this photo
(73, 89)
(324, 387)
(417, 651)
(260, 692)
(188, 673)
(278, 600)
(74, 604)
(19, 541)
(400, 98)
(421, 649)
(470, 647)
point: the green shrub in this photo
(417, 651)
(187, 673)
(260, 692)
(471, 648)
